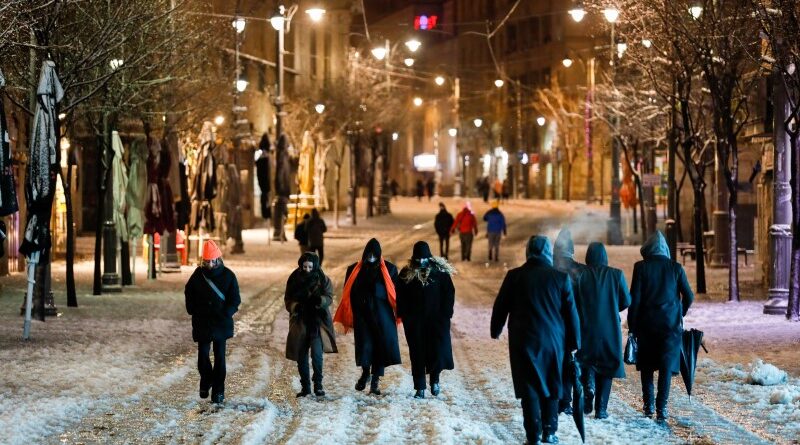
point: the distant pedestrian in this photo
(212, 297)
(301, 234)
(495, 230)
(467, 226)
(506, 189)
(394, 186)
(660, 298)
(420, 189)
(316, 228)
(430, 186)
(538, 303)
(308, 296)
(563, 260)
(498, 189)
(601, 294)
(443, 222)
(425, 300)
(369, 308)
(485, 189)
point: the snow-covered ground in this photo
(121, 368)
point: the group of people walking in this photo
(560, 314)
(466, 224)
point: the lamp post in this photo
(615, 211)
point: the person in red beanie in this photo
(212, 297)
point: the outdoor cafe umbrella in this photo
(577, 397)
(8, 190)
(691, 342)
(39, 177)
(135, 194)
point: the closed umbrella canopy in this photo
(119, 185)
(577, 398)
(690, 346)
(8, 189)
(137, 188)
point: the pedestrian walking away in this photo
(495, 229)
(420, 189)
(425, 300)
(301, 234)
(564, 261)
(308, 296)
(430, 187)
(660, 298)
(316, 228)
(442, 224)
(369, 308)
(394, 186)
(600, 295)
(537, 302)
(467, 226)
(212, 297)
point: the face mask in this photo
(308, 267)
(371, 258)
(423, 262)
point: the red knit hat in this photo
(211, 250)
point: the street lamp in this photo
(577, 13)
(395, 136)
(499, 83)
(413, 45)
(567, 62)
(611, 14)
(696, 10)
(315, 14)
(278, 20)
(241, 84)
(417, 101)
(379, 52)
(477, 122)
(319, 108)
(408, 61)
(647, 43)
(219, 120)
(239, 24)
(116, 64)
(453, 132)
(439, 80)
(541, 121)
(621, 48)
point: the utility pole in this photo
(615, 210)
(520, 166)
(672, 236)
(588, 132)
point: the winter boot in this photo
(318, 390)
(549, 438)
(662, 415)
(373, 385)
(203, 393)
(420, 394)
(435, 389)
(218, 397)
(304, 391)
(588, 403)
(362, 381)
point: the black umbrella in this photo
(577, 398)
(691, 342)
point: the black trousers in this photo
(597, 386)
(539, 415)
(320, 252)
(212, 377)
(314, 346)
(376, 371)
(566, 383)
(466, 246)
(664, 382)
(444, 245)
(418, 373)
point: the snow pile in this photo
(786, 395)
(765, 374)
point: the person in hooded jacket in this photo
(467, 226)
(301, 234)
(425, 300)
(538, 303)
(316, 228)
(660, 298)
(212, 297)
(442, 223)
(495, 230)
(601, 294)
(369, 308)
(308, 296)
(564, 260)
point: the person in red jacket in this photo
(467, 226)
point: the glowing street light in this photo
(241, 84)
(277, 21)
(239, 24)
(453, 132)
(611, 14)
(577, 13)
(439, 80)
(408, 61)
(647, 43)
(395, 136)
(541, 121)
(116, 64)
(477, 122)
(621, 48)
(219, 120)
(417, 101)
(567, 62)
(499, 83)
(696, 10)
(315, 14)
(379, 52)
(413, 45)
(319, 108)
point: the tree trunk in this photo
(72, 298)
(793, 305)
(102, 172)
(639, 189)
(371, 183)
(699, 248)
(568, 191)
(336, 197)
(733, 193)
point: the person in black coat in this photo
(420, 189)
(374, 318)
(538, 303)
(430, 187)
(301, 234)
(444, 220)
(660, 298)
(212, 297)
(308, 296)
(425, 300)
(601, 294)
(564, 260)
(316, 228)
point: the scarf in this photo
(343, 320)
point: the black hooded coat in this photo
(425, 300)
(660, 298)
(538, 303)
(308, 298)
(374, 322)
(601, 294)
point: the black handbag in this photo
(631, 350)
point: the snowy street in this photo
(121, 368)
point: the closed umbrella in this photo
(690, 346)
(38, 187)
(577, 397)
(8, 190)
(119, 184)
(135, 195)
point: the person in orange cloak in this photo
(369, 309)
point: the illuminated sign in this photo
(425, 22)
(425, 162)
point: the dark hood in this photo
(314, 213)
(656, 245)
(596, 255)
(374, 247)
(539, 249)
(564, 246)
(309, 256)
(421, 250)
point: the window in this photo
(534, 39)
(547, 30)
(314, 53)
(511, 38)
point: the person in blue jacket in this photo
(495, 229)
